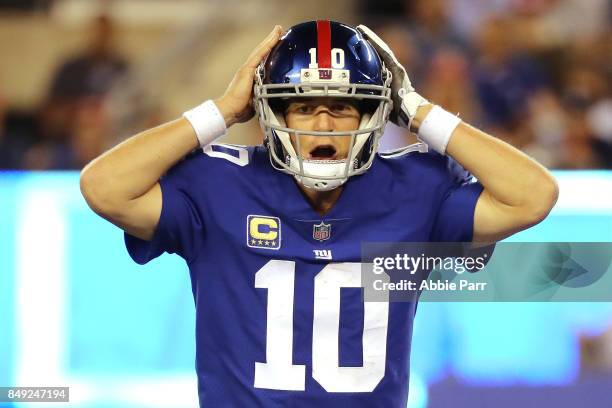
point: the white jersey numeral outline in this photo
(243, 154)
(279, 372)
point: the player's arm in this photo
(518, 192)
(122, 184)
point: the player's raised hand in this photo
(406, 100)
(236, 103)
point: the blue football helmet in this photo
(322, 59)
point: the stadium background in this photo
(77, 76)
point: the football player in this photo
(272, 233)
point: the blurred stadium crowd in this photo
(535, 73)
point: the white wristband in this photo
(437, 128)
(207, 122)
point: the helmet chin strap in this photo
(320, 168)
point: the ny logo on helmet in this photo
(325, 74)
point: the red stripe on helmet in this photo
(324, 43)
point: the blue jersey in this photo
(280, 320)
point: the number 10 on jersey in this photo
(279, 372)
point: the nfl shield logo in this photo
(321, 232)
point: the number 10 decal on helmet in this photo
(337, 58)
(322, 59)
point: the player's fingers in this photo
(264, 47)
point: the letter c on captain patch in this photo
(263, 232)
